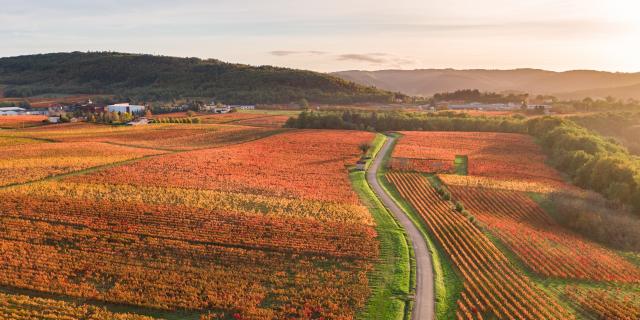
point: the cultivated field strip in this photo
(22, 307)
(308, 165)
(504, 156)
(544, 246)
(19, 164)
(606, 303)
(168, 137)
(178, 222)
(492, 285)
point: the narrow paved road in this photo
(424, 306)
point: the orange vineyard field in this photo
(15, 122)
(606, 304)
(19, 307)
(265, 121)
(543, 245)
(496, 155)
(213, 221)
(492, 285)
(169, 137)
(515, 261)
(274, 166)
(21, 164)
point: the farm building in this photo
(11, 111)
(244, 107)
(125, 107)
(485, 106)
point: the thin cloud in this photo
(376, 58)
(284, 53)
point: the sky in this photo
(334, 35)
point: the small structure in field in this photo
(53, 119)
(138, 122)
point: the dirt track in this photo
(424, 306)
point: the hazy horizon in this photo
(339, 35)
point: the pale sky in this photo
(332, 35)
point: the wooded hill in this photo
(149, 77)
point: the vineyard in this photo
(492, 285)
(273, 166)
(19, 164)
(503, 156)
(544, 246)
(219, 221)
(606, 304)
(167, 137)
(15, 122)
(265, 121)
(21, 307)
(514, 259)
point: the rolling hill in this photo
(149, 77)
(568, 85)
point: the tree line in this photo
(397, 120)
(474, 95)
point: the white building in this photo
(12, 111)
(126, 107)
(485, 106)
(245, 107)
(222, 109)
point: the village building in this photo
(485, 106)
(12, 111)
(126, 108)
(243, 107)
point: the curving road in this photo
(424, 306)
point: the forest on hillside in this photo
(148, 77)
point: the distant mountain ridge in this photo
(575, 84)
(150, 77)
